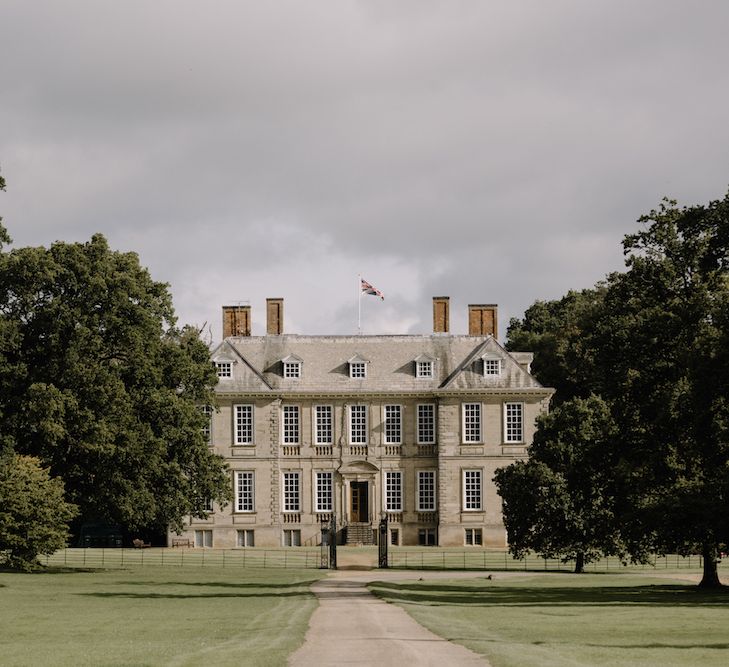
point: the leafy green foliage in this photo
(671, 374)
(554, 330)
(653, 341)
(33, 512)
(560, 503)
(96, 381)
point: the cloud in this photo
(490, 151)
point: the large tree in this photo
(561, 501)
(98, 383)
(662, 339)
(655, 345)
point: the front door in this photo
(359, 509)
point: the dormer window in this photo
(224, 369)
(357, 367)
(292, 367)
(424, 366)
(491, 366)
(424, 369)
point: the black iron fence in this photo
(433, 558)
(290, 558)
(499, 559)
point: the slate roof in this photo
(390, 364)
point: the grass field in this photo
(154, 616)
(565, 619)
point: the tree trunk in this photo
(579, 563)
(710, 578)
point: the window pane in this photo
(426, 490)
(472, 422)
(207, 410)
(324, 433)
(425, 369)
(393, 425)
(323, 492)
(291, 425)
(492, 366)
(472, 489)
(291, 492)
(426, 424)
(514, 422)
(393, 491)
(243, 424)
(358, 424)
(243, 491)
(245, 538)
(292, 369)
(203, 538)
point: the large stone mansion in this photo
(412, 427)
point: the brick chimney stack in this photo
(482, 319)
(441, 314)
(274, 317)
(236, 321)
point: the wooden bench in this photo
(181, 542)
(141, 544)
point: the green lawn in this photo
(566, 619)
(154, 616)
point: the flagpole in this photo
(359, 304)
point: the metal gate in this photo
(329, 543)
(382, 540)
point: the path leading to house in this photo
(353, 627)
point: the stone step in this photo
(360, 534)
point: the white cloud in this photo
(489, 151)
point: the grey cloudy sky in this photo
(490, 151)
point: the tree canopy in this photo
(99, 384)
(560, 502)
(34, 515)
(653, 342)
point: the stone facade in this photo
(412, 427)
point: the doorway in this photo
(359, 508)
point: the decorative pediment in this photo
(358, 467)
(234, 369)
(358, 359)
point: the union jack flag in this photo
(369, 289)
